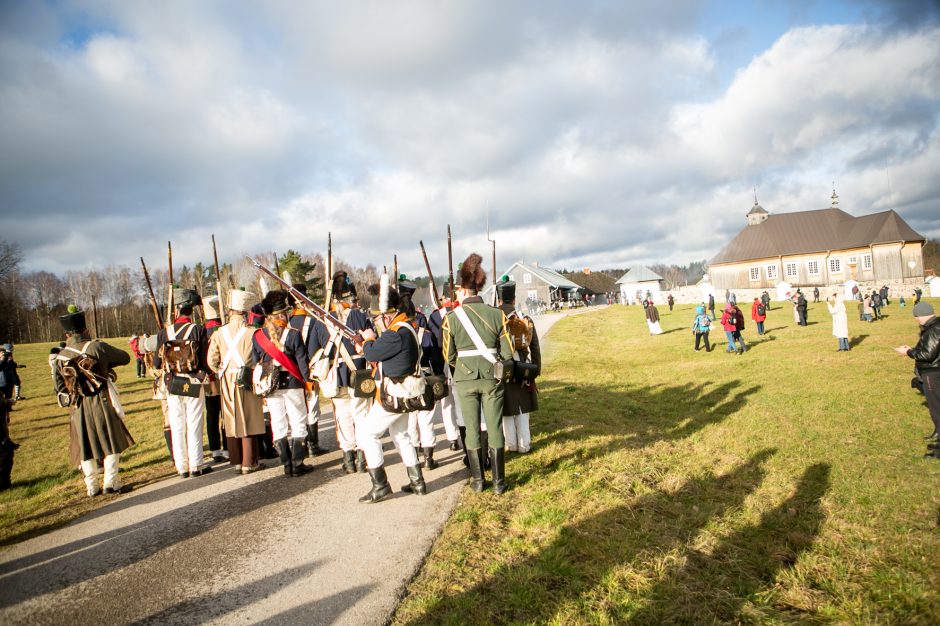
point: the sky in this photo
(595, 134)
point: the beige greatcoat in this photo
(241, 409)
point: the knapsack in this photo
(77, 371)
(760, 309)
(179, 353)
(520, 331)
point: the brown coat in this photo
(522, 398)
(241, 409)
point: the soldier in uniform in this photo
(420, 423)
(230, 357)
(181, 352)
(280, 346)
(83, 382)
(215, 428)
(450, 416)
(476, 339)
(307, 326)
(521, 394)
(396, 353)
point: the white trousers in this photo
(288, 409)
(370, 431)
(421, 427)
(349, 412)
(187, 417)
(448, 407)
(111, 467)
(516, 432)
(313, 408)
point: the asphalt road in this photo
(231, 549)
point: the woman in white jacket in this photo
(840, 321)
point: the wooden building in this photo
(593, 283)
(537, 284)
(637, 282)
(819, 248)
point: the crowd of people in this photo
(251, 374)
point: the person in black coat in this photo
(926, 355)
(801, 307)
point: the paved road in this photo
(232, 549)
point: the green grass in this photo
(46, 491)
(669, 486)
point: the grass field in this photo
(669, 486)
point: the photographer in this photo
(926, 355)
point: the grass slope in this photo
(669, 486)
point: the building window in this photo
(527, 279)
(853, 260)
(790, 269)
(812, 268)
(866, 262)
(835, 266)
(533, 295)
(771, 271)
(754, 273)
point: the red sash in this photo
(282, 359)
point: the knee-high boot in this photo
(463, 444)
(360, 461)
(498, 469)
(284, 452)
(168, 438)
(298, 467)
(380, 487)
(476, 469)
(313, 441)
(429, 462)
(416, 482)
(485, 445)
(349, 461)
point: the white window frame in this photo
(753, 273)
(866, 262)
(835, 266)
(809, 267)
(788, 266)
(852, 260)
(527, 279)
(532, 294)
(771, 271)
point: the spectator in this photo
(801, 307)
(885, 295)
(711, 306)
(866, 309)
(670, 301)
(765, 300)
(137, 350)
(700, 327)
(732, 320)
(652, 318)
(901, 302)
(840, 321)
(815, 294)
(917, 294)
(876, 304)
(926, 355)
(759, 314)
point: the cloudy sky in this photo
(596, 134)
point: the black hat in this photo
(343, 287)
(186, 297)
(406, 287)
(256, 316)
(506, 290)
(275, 302)
(301, 287)
(73, 321)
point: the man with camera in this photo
(926, 355)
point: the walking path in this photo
(231, 549)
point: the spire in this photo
(757, 214)
(835, 196)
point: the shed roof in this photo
(595, 282)
(806, 232)
(638, 274)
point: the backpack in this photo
(704, 322)
(520, 331)
(761, 310)
(179, 353)
(77, 371)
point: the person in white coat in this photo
(840, 321)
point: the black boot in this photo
(349, 461)
(429, 462)
(380, 487)
(299, 468)
(360, 461)
(168, 438)
(7, 451)
(463, 445)
(485, 445)
(498, 469)
(284, 453)
(476, 469)
(313, 441)
(416, 481)
(455, 445)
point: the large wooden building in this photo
(819, 248)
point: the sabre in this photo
(314, 309)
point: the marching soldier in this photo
(476, 340)
(181, 353)
(83, 382)
(521, 395)
(450, 416)
(396, 353)
(420, 423)
(215, 428)
(231, 358)
(283, 356)
(307, 327)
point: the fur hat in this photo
(472, 276)
(256, 316)
(301, 287)
(73, 321)
(392, 303)
(343, 288)
(210, 308)
(240, 300)
(275, 301)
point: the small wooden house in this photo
(537, 284)
(637, 282)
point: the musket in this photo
(94, 309)
(437, 300)
(314, 309)
(450, 264)
(153, 298)
(169, 297)
(493, 241)
(395, 269)
(328, 283)
(218, 281)
(277, 266)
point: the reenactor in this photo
(215, 428)
(477, 347)
(84, 378)
(450, 411)
(420, 423)
(521, 394)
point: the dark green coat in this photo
(96, 428)
(490, 323)
(522, 398)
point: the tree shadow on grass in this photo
(586, 562)
(858, 339)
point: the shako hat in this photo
(275, 301)
(406, 288)
(256, 316)
(240, 300)
(472, 276)
(186, 297)
(73, 321)
(506, 290)
(343, 287)
(210, 308)
(385, 298)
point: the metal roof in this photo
(807, 232)
(638, 274)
